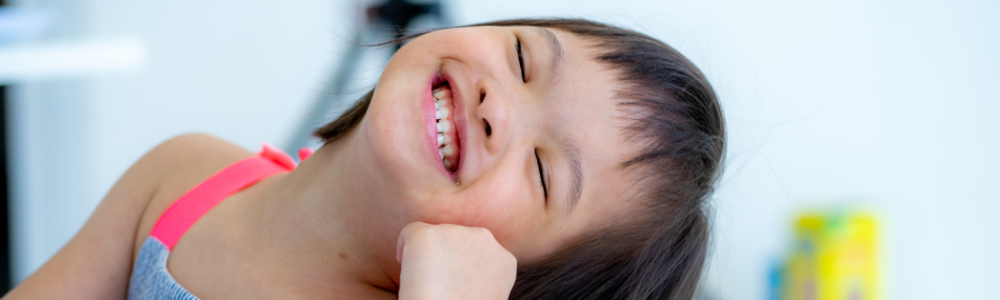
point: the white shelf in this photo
(60, 59)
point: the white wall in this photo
(888, 105)
(242, 70)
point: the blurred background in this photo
(880, 113)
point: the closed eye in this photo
(541, 175)
(520, 58)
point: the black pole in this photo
(5, 274)
(398, 14)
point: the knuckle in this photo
(420, 231)
(482, 233)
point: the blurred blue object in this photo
(21, 24)
(775, 279)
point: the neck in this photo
(316, 218)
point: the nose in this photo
(494, 112)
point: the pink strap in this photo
(176, 220)
(305, 153)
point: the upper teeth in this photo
(445, 139)
(444, 127)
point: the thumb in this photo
(401, 241)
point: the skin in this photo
(375, 214)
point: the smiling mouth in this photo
(447, 133)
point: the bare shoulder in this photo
(97, 262)
(190, 155)
(181, 164)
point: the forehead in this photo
(582, 105)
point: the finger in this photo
(407, 231)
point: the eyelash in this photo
(538, 161)
(541, 175)
(520, 58)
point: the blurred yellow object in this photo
(835, 258)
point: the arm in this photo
(97, 262)
(453, 262)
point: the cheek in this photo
(498, 202)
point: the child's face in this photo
(564, 111)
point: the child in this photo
(523, 159)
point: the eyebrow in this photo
(572, 153)
(554, 45)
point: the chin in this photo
(396, 147)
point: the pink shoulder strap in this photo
(176, 220)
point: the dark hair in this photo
(674, 116)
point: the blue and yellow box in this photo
(834, 258)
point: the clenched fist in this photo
(453, 262)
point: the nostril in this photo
(482, 96)
(489, 130)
